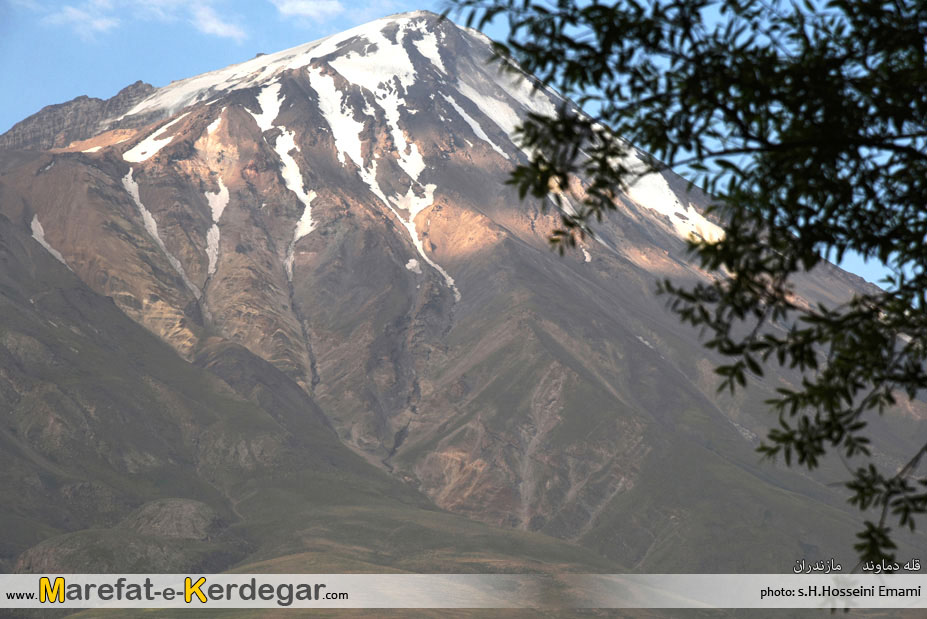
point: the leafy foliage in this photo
(807, 123)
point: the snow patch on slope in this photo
(410, 159)
(346, 132)
(427, 46)
(410, 226)
(386, 62)
(475, 126)
(152, 144)
(303, 227)
(270, 101)
(293, 177)
(38, 233)
(152, 227)
(212, 248)
(652, 191)
(217, 202)
(305, 224)
(495, 109)
(368, 71)
(505, 95)
(521, 88)
(215, 124)
(415, 204)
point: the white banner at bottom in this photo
(463, 591)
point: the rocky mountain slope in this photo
(59, 125)
(118, 456)
(335, 218)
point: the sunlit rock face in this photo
(340, 210)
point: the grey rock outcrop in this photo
(56, 126)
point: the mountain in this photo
(358, 317)
(116, 455)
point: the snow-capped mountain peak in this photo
(379, 43)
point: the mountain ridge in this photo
(60, 124)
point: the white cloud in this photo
(163, 10)
(308, 8)
(208, 21)
(86, 21)
(92, 17)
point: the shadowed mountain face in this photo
(325, 239)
